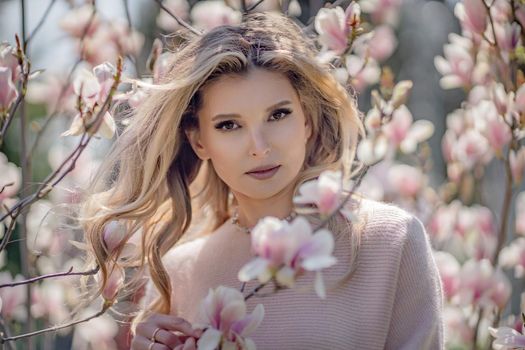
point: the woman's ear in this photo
(193, 136)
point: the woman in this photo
(245, 116)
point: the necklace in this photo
(235, 221)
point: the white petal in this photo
(107, 128)
(318, 262)
(256, 318)
(252, 269)
(209, 340)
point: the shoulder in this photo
(387, 225)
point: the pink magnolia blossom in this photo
(363, 72)
(223, 312)
(333, 26)
(382, 11)
(449, 269)
(458, 65)
(98, 333)
(491, 124)
(8, 91)
(520, 213)
(508, 35)
(472, 15)
(76, 21)
(105, 129)
(285, 250)
(209, 14)
(458, 333)
(408, 181)
(372, 150)
(507, 338)
(513, 256)
(519, 104)
(13, 298)
(11, 174)
(114, 234)
(482, 285)
(114, 282)
(383, 43)
(405, 134)
(326, 193)
(48, 300)
(9, 60)
(94, 87)
(472, 148)
(181, 8)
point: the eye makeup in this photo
(229, 125)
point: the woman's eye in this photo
(281, 114)
(226, 125)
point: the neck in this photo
(250, 210)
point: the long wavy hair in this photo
(153, 182)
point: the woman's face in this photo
(250, 121)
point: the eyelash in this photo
(220, 125)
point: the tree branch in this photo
(52, 275)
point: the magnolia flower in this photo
(364, 72)
(472, 148)
(405, 134)
(520, 213)
(9, 60)
(449, 269)
(482, 285)
(114, 234)
(284, 250)
(382, 11)
(114, 283)
(52, 91)
(326, 193)
(209, 14)
(223, 313)
(94, 87)
(507, 338)
(458, 65)
(372, 150)
(513, 256)
(333, 26)
(458, 333)
(382, 44)
(406, 180)
(11, 178)
(80, 125)
(8, 91)
(472, 15)
(508, 35)
(76, 21)
(13, 298)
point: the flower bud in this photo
(8, 92)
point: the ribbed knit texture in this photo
(394, 300)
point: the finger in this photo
(142, 343)
(189, 344)
(162, 336)
(173, 323)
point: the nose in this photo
(259, 145)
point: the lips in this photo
(262, 169)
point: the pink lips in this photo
(266, 174)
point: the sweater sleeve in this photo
(417, 320)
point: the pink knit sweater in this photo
(394, 300)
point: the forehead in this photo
(235, 93)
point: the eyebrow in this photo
(237, 116)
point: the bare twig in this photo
(253, 7)
(40, 23)
(105, 307)
(502, 234)
(52, 275)
(178, 19)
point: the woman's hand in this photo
(157, 332)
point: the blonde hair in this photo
(153, 181)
